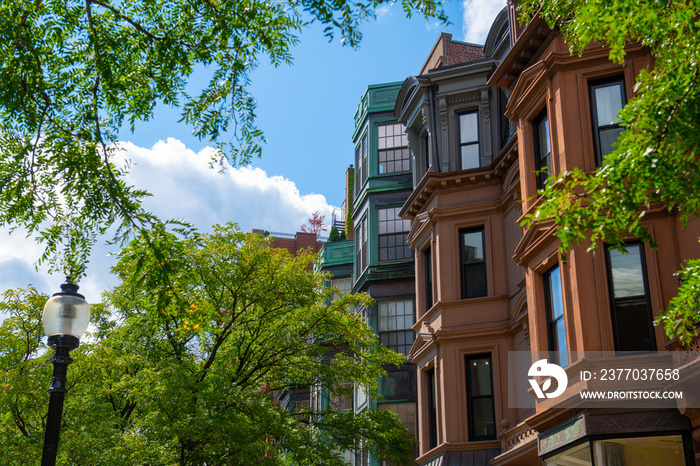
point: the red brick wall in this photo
(300, 242)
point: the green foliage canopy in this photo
(75, 72)
(184, 364)
(656, 159)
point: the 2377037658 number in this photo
(639, 374)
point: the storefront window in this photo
(579, 455)
(665, 450)
(640, 451)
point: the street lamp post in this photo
(66, 317)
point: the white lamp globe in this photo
(66, 313)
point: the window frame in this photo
(463, 266)
(403, 148)
(596, 128)
(403, 234)
(471, 397)
(614, 302)
(541, 174)
(553, 321)
(476, 142)
(361, 160)
(425, 147)
(407, 332)
(361, 262)
(404, 378)
(431, 387)
(428, 271)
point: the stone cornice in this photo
(522, 53)
(463, 179)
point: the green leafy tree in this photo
(656, 160)
(22, 407)
(336, 235)
(202, 337)
(75, 72)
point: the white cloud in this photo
(183, 186)
(477, 17)
(433, 26)
(383, 10)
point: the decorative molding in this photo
(628, 422)
(468, 98)
(384, 96)
(520, 438)
(688, 353)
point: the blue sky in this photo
(306, 111)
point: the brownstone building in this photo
(565, 108)
(470, 295)
(486, 127)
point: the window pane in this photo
(395, 315)
(475, 280)
(392, 236)
(631, 313)
(393, 160)
(473, 243)
(406, 412)
(608, 137)
(556, 300)
(468, 131)
(627, 276)
(396, 384)
(343, 284)
(580, 454)
(559, 337)
(632, 325)
(555, 316)
(390, 136)
(470, 156)
(608, 101)
(480, 376)
(543, 159)
(543, 129)
(480, 408)
(666, 450)
(473, 263)
(482, 412)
